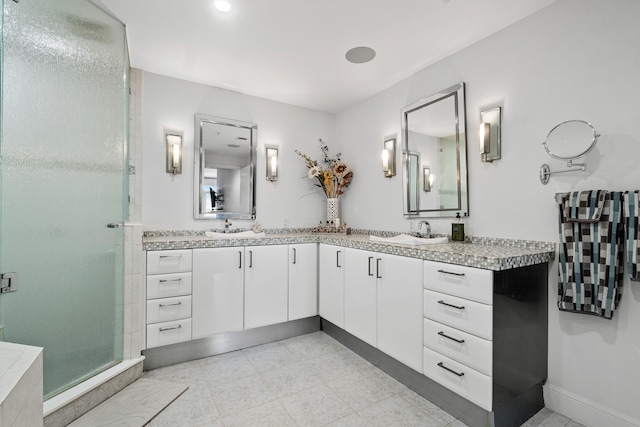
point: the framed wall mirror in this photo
(224, 165)
(434, 130)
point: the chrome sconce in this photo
(490, 129)
(174, 152)
(427, 179)
(389, 157)
(272, 163)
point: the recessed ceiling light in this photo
(360, 54)
(222, 5)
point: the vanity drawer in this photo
(465, 282)
(463, 314)
(460, 346)
(165, 333)
(176, 261)
(165, 309)
(461, 379)
(168, 285)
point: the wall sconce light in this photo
(174, 152)
(428, 179)
(272, 163)
(490, 129)
(389, 157)
(485, 140)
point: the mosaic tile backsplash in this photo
(480, 252)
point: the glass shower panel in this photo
(64, 114)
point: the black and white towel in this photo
(631, 220)
(591, 229)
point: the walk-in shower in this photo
(64, 188)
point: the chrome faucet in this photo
(428, 234)
(227, 226)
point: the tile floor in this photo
(310, 380)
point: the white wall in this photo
(170, 104)
(576, 59)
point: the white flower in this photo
(314, 171)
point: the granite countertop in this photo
(485, 253)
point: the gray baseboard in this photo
(158, 357)
(507, 414)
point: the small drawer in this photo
(460, 346)
(168, 285)
(468, 383)
(168, 333)
(176, 261)
(165, 309)
(470, 283)
(468, 316)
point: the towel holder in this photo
(568, 141)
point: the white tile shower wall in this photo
(133, 265)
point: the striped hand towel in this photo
(591, 252)
(631, 216)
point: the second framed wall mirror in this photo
(434, 131)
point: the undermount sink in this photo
(405, 239)
(234, 235)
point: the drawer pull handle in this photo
(170, 305)
(294, 255)
(370, 259)
(338, 259)
(170, 329)
(459, 307)
(451, 272)
(170, 256)
(165, 281)
(378, 274)
(442, 334)
(460, 374)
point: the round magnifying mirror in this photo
(570, 140)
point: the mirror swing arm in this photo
(545, 170)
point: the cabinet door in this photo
(400, 309)
(303, 280)
(218, 292)
(331, 286)
(265, 285)
(360, 294)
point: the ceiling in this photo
(293, 51)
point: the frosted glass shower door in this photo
(62, 146)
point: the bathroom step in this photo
(133, 406)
